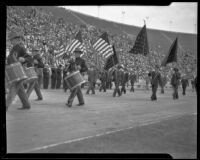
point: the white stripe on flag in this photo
(102, 47)
(105, 49)
(100, 44)
(72, 44)
(78, 44)
(94, 45)
(108, 55)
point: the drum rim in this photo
(16, 80)
(13, 64)
(30, 67)
(72, 74)
(77, 85)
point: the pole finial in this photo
(144, 22)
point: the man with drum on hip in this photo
(77, 64)
(17, 54)
(34, 84)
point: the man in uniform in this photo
(65, 72)
(117, 74)
(185, 83)
(109, 79)
(155, 80)
(53, 76)
(175, 81)
(103, 79)
(133, 79)
(59, 77)
(38, 64)
(17, 54)
(164, 82)
(46, 74)
(78, 64)
(125, 77)
(92, 78)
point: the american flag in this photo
(141, 45)
(103, 46)
(77, 42)
(60, 62)
(112, 60)
(60, 51)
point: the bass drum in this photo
(74, 79)
(31, 74)
(15, 73)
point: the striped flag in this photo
(103, 46)
(77, 42)
(60, 51)
(112, 60)
(60, 62)
(172, 54)
(141, 45)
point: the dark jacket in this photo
(16, 52)
(175, 80)
(118, 76)
(81, 62)
(184, 82)
(46, 72)
(92, 75)
(40, 61)
(133, 78)
(103, 76)
(126, 77)
(156, 78)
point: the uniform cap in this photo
(77, 50)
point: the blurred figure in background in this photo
(92, 78)
(185, 83)
(175, 82)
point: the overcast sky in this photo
(178, 17)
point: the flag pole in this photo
(113, 54)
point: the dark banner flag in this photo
(141, 45)
(172, 54)
(112, 60)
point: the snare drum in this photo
(31, 74)
(14, 73)
(74, 79)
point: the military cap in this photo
(77, 50)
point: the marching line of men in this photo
(119, 75)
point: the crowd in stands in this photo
(43, 30)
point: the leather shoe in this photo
(39, 99)
(68, 105)
(80, 104)
(23, 108)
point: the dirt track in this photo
(51, 124)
